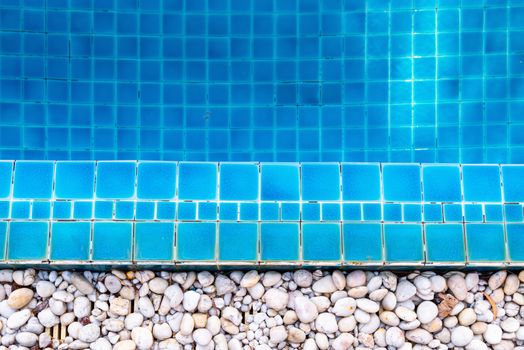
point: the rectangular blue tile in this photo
(362, 242)
(403, 242)
(197, 181)
(280, 182)
(513, 212)
(279, 241)
(513, 187)
(3, 238)
(441, 183)
(20, 210)
(351, 212)
(112, 241)
(515, 234)
(481, 183)
(238, 181)
(330, 212)
(321, 242)
(33, 180)
(473, 212)
(401, 182)
(145, 210)
(485, 242)
(6, 174)
(154, 241)
(70, 240)
(62, 210)
(320, 181)
(186, 211)
(269, 212)
(156, 180)
(75, 180)
(310, 212)
(444, 243)
(361, 182)
(249, 211)
(228, 211)
(238, 241)
(27, 240)
(115, 180)
(207, 211)
(196, 241)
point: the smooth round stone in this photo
(427, 311)
(511, 285)
(190, 300)
(145, 307)
(296, 335)
(303, 278)
(113, 284)
(305, 309)
(344, 307)
(497, 279)
(162, 331)
(277, 334)
(20, 298)
(343, 341)
(202, 336)
(101, 344)
(81, 307)
(326, 323)
(419, 336)
(472, 280)
(175, 295)
(457, 285)
(339, 280)
(395, 337)
(142, 337)
(510, 325)
(493, 334)
(347, 324)
(45, 289)
(26, 339)
(205, 278)
(461, 336)
(18, 319)
(47, 318)
(125, 345)
(250, 279)
(82, 284)
(406, 314)
(405, 290)
(438, 284)
(389, 318)
(133, 320)
(467, 317)
(389, 302)
(271, 278)
(371, 326)
(356, 278)
(476, 344)
(367, 305)
(324, 285)
(158, 285)
(276, 299)
(89, 333)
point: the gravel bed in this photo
(261, 310)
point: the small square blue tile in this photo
(515, 233)
(6, 173)
(269, 212)
(362, 242)
(493, 212)
(513, 185)
(321, 242)
(351, 212)
(280, 182)
(156, 180)
(433, 212)
(238, 181)
(392, 212)
(81, 210)
(311, 212)
(27, 240)
(453, 213)
(187, 211)
(249, 211)
(197, 181)
(207, 211)
(473, 212)
(485, 242)
(228, 211)
(154, 241)
(20, 210)
(403, 242)
(330, 212)
(320, 181)
(290, 211)
(401, 182)
(125, 210)
(372, 212)
(3, 238)
(238, 241)
(75, 180)
(279, 241)
(481, 183)
(112, 241)
(361, 182)
(412, 212)
(41, 210)
(166, 211)
(445, 243)
(33, 180)
(145, 210)
(196, 241)
(115, 180)
(441, 183)
(513, 212)
(70, 240)
(4, 209)
(103, 210)
(61, 210)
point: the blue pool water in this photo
(263, 80)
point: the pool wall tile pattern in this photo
(258, 213)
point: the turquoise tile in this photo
(311, 212)
(156, 180)
(512, 176)
(103, 210)
(513, 212)
(441, 183)
(6, 174)
(269, 212)
(83, 210)
(249, 211)
(362, 242)
(481, 183)
(351, 212)
(401, 182)
(228, 211)
(392, 212)
(70, 240)
(187, 211)
(112, 241)
(445, 243)
(197, 181)
(207, 211)
(20, 210)
(279, 241)
(238, 241)
(515, 233)
(493, 212)
(33, 180)
(453, 212)
(124, 210)
(61, 210)
(290, 211)
(3, 238)
(196, 241)
(412, 212)
(4, 209)
(433, 212)
(75, 180)
(27, 241)
(321, 242)
(320, 181)
(115, 180)
(41, 210)
(485, 242)
(372, 212)
(280, 182)
(165, 211)
(238, 181)
(361, 182)
(154, 241)
(403, 242)
(473, 212)
(330, 212)
(145, 210)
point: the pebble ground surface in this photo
(261, 310)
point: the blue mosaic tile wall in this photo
(263, 80)
(261, 213)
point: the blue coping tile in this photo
(228, 211)
(196, 241)
(145, 210)
(197, 181)
(279, 241)
(445, 243)
(41, 210)
(330, 212)
(481, 183)
(453, 212)
(362, 242)
(75, 180)
(115, 180)
(320, 181)
(485, 242)
(33, 180)
(20, 210)
(112, 240)
(249, 211)
(401, 182)
(6, 174)
(351, 212)
(513, 185)
(238, 181)
(493, 212)
(154, 241)
(237, 241)
(280, 182)
(412, 212)
(166, 211)
(269, 211)
(70, 240)
(513, 212)
(4, 209)
(432, 212)
(207, 211)
(321, 242)
(311, 212)
(361, 182)
(27, 240)
(290, 211)
(124, 210)
(515, 234)
(103, 210)
(186, 211)
(3, 238)
(62, 210)
(81, 210)
(473, 212)
(156, 180)
(392, 212)
(372, 211)
(403, 242)
(441, 183)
